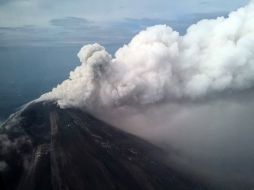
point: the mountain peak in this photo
(44, 147)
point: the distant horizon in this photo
(40, 23)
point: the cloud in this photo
(211, 138)
(65, 31)
(144, 22)
(38, 12)
(215, 56)
(26, 36)
(72, 23)
(77, 31)
(63, 35)
(195, 17)
(190, 93)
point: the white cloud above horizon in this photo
(44, 22)
(39, 12)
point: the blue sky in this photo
(77, 22)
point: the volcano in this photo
(44, 147)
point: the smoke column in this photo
(195, 93)
(160, 65)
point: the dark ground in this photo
(45, 147)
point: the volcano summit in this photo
(43, 147)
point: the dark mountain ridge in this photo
(43, 147)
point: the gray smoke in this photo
(191, 93)
(160, 65)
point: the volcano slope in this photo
(43, 147)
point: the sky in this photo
(77, 22)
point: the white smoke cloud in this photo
(172, 75)
(158, 64)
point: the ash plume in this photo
(159, 65)
(192, 92)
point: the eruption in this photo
(171, 74)
(214, 56)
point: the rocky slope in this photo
(43, 147)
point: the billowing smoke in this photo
(192, 93)
(158, 65)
